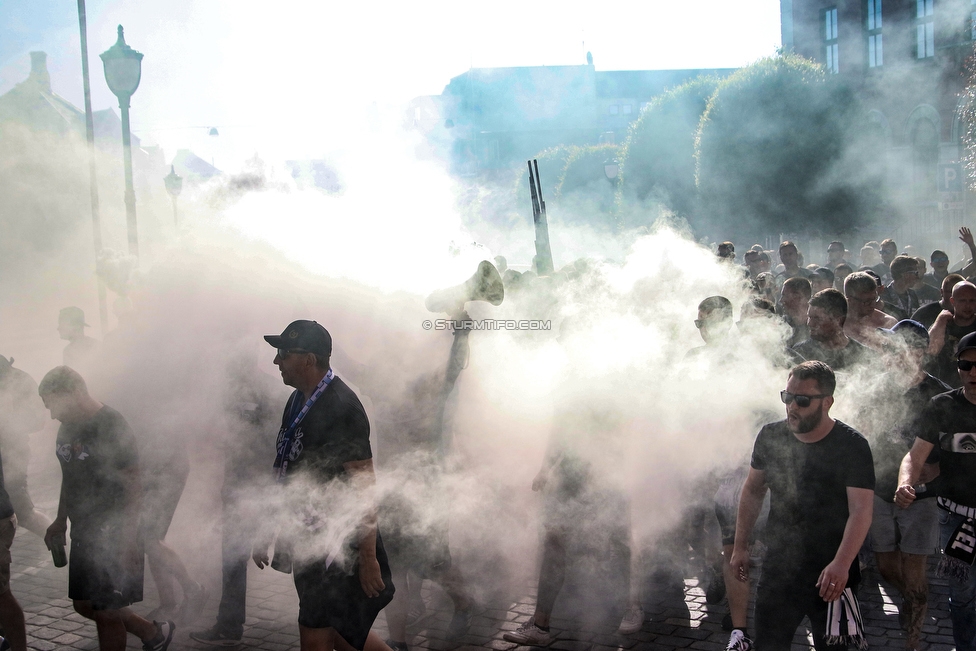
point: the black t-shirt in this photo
(945, 361)
(907, 303)
(927, 294)
(334, 431)
(949, 422)
(808, 487)
(93, 455)
(851, 354)
(889, 447)
(927, 314)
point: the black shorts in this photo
(96, 574)
(413, 541)
(161, 492)
(333, 598)
(781, 604)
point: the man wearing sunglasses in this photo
(949, 422)
(902, 539)
(323, 453)
(820, 475)
(714, 324)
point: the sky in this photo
(301, 79)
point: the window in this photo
(614, 109)
(925, 28)
(972, 22)
(875, 46)
(626, 109)
(830, 40)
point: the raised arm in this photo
(966, 236)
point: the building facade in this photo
(496, 118)
(906, 60)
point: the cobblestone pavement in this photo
(677, 615)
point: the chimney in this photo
(38, 73)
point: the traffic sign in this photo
(950, 177)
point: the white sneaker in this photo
(739, 642)
(529, 634)
(632, 622)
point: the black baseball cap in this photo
(966, 343)
(911, 332)
(303, 335)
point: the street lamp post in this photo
(123, 70)
(174, 184)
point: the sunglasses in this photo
(940, 261)
(801, 401)
(965, 366)
(285, 352)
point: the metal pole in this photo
(92, 178)
(130, 193)
(176, 218)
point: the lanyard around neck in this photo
(288, 438)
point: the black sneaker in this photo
(460, 623)
(397, 646)
(716, 588)
(216, 637)
(163, 637)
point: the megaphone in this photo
(485, 285)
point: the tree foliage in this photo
(780, 148)
(658, 157)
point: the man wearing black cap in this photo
(949, 422)
(902, 539)
(324, 443)
(81, 348)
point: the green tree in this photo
(584, 193)
(779, 148)
(658, 158)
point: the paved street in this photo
(677, 616)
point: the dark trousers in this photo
(781, 605)
(235, 553)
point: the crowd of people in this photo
(817, 498)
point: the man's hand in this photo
(966, 236)
(945, 316)
(369, 576)
(832, 581)
(57, 530)
(904, 496)
(740, 564)
(260, 556)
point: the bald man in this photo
(949, 328)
